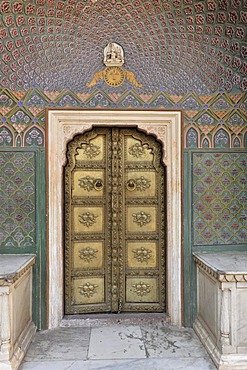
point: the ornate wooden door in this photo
(114, 223)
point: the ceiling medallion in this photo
(114, 75)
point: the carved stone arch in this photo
(61, 126)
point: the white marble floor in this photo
(146, 346)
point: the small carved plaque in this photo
(88, 289)
(141, 218)
(142, 254)
(90, 150)
(88, 254)
(86, 183)
(87, 219)
(137, 150)
(141, 288)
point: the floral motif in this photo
(99, 100)
(192, 138)
(235, 120)
(142, 288)
(141, 218)
(142, 254)
(140, 184)
(161, 101)
(89, 183)
(90, 150)
(236, 142)
(137, 150)
(205, 143)
(87, 219)
(221, 139)
(88, 254)
(206, 119)
(34, 137)
(86, 183)
(20, 117)
(5, 137)
(67, 100)
(88, 289)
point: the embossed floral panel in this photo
(219, 198)
(17, 200)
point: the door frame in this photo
(61, 126)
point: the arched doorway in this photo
(62, 126)
(114, 222)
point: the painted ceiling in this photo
(176, 46)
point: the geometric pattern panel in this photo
(17, 200)
(219, 197)
(213, 121)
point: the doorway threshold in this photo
(94, 320)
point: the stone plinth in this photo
(221, 322)
(16, 326)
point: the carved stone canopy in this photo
(113, 55)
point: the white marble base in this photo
(149, 346)
(223, 362)
(16, 326)
(20, 349)
(134, 364)
(221, 322)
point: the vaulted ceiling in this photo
(176, 46)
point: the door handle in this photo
(131, 185)
(98, 184)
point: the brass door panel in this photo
(86, 183)
(141, 254)
(88, 255)
(89, 289)
(141, 184)
(114, 223)
(141, 219)
(141, 290)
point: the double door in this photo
(114, 223)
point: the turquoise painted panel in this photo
(219, 198)
(22, 217)
(17, 200)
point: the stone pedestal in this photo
(221, 322)
(16, 326)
